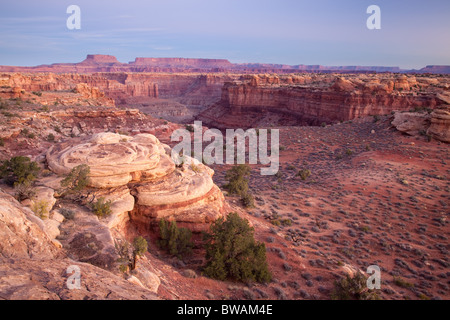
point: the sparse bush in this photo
(67, 213)
(276, 222)
(248, 200)
(189, 128)
(195, 168)
(140, 247)
(232, 252)
(237, 179)
(37, 93)
(238, 184)
(24, 191)
(77, 179)
(286, 222)
(19, 170)
(10, 115)
(26, 133)
(51, 137)
(101, 207)
(2, 142)
(402, 283)
(355, 288)
(177, 241)
(304, 174)
(41, 209)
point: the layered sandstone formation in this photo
(440, 124)
(141, 166)
(181, 95)
(435, 125)
(321, 98)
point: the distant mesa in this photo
(99, 59)
(107, 63)
(436, 69)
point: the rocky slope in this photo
(33, 268)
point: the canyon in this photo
(228, 99)
(375, 142)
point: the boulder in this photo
(411, 123)
(440, 124)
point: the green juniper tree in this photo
(177, 241)
(238, 184)
(233, 253)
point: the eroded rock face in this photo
(411, 122)
(138, 176)
(33, 268)
(22, 234)
(440, 124)
(435, 125)
(318, 99)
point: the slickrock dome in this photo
(143, 166)
(114, 159)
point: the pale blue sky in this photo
(327, 32)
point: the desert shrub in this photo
(19, 170)
(24, 191)
(37, 93)
(248, 200)
(189, 128)
(67, 213)
(101, 207)
(2, 142)
(195, 168)
(304, 174)
(237, 179)
(177, 241)
(232, 252)
(353, 288)
(140, 247)
(26, 133)
(51, 137)
(402, 283)
(286, 222)
(41, 209)
(10, 115)
(238, 184)
(123, 249)
(276, 222)
(77, 179)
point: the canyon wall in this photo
(318, 99)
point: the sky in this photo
(413, 33)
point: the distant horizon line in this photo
(325, 67)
